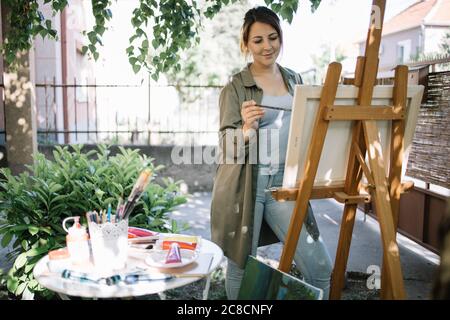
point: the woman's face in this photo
(263, 43)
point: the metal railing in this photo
(87, 112)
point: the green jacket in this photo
(234, 191)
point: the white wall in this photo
(433, 38)
(48, 69)
(389, 43)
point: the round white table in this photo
(70, 287)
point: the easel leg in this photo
(354, 175)
(342, 252)
(313, 157)
(384, 210)
(396, 160)
(386, 290)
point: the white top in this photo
(274, 130)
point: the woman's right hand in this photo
(250, 113)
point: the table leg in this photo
(206, 291)
(63, 296)
(162, 296)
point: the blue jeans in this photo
(311, 256)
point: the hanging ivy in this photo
(175, 26)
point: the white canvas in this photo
(333, 162)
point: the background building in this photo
(415, 32)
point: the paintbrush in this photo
(140, 185)
(274, 108)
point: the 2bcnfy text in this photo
(232, 309)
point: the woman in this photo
(243, 214)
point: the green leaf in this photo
(99, 40)
(56, 188)
(142, 57)
(12, 284)
(155, 43)
(58, 198)
(29, 267)
(20, 261)
(52, 33)
(3, 230)
(57, 227)
(133, 60)
(46, 230)
(140, 32)
(99, 193)
(20, 288)
(48, 24)
(43, 33)
(133, 37)
(6, 239)
(36, 251)
(99, 29)
(276, 7)
(130, 50)
(136, 68)
(119, 187)
(19, 227)
(33, 230)
(32, 284)
(92, 37)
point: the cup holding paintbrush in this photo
(109, 241)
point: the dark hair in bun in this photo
(263, 15)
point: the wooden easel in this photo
(384, 191)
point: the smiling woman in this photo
(243, 214)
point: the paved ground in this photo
(418, 264)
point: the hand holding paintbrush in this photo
(140, 185)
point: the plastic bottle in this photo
(77, 241)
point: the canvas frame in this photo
(333, 163)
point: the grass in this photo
(356, 288)
(195, 290)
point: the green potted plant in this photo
(33, 204)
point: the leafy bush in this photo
(33, 204)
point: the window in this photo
(400, 54)
(403, 51)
